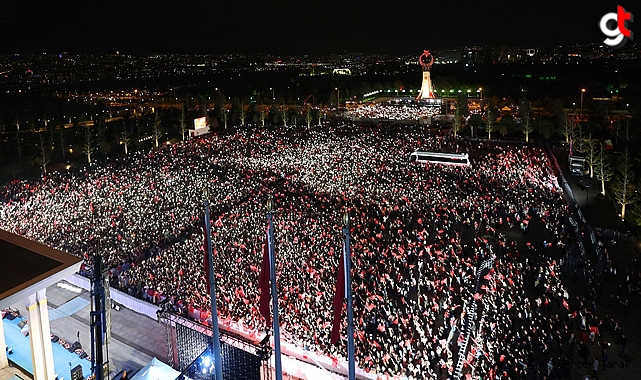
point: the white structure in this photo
(200, 127)
(426, 60)
(32, 291)
(460, 159)
(155, 370)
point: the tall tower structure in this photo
(426, 60)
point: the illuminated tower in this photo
(426, 60)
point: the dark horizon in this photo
(295, 28)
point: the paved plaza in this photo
(135, 338)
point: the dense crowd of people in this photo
(393, 112)
(419, 233)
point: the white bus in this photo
(579, 166)
(461, 159)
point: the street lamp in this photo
(582, 92)
(338, 97)
(274, 290)
(348, 295)
(215, 338)
(273, 97)
(587, 198)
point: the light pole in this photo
(212, 290)
(97, 314)
(582, 92)
(587, 199)
(273, 97)
(219, 95)
(348, 295)
(338, 97)
(272, 266)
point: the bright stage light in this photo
(206, 361)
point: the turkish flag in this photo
(206, 259)
(264, 284)
(339, 296)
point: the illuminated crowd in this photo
(392, 112)
(419, 232)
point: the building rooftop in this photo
(28, 266)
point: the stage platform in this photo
(21, 356)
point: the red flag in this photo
(263, 285)
(206, 260)
(338, 300)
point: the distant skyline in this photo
(297, 27)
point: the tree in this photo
(182, 126)
(461, 102)
(283, 115)
(224, 115)
(627, 131)
(100, 135)
(242, 114)
(579, 142)
(44, 153)
(19, 145)
(61, 139)
(476, 120)
(490, 125)
(457, 124)
(137, 123)
(262, 116)
(309, 117)
(623, 186)
(507, 121)
(295, 111)
(503, 130)
(569, 124)
(636, 207)
(156, 129)
(603, 171)
(125, 138)
(591, 153)
(526, 125)
(50, 128)
(87, 146)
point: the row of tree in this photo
(614, 172)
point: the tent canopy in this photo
(156, 370)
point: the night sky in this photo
(295, 27)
